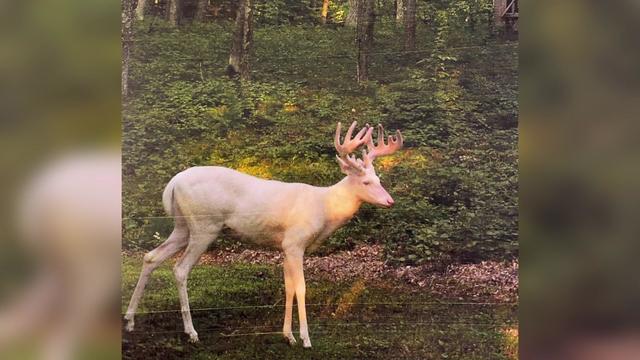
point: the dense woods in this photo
(259, 85)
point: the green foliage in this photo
(455, 100)
(280, 12)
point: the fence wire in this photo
(432, 303)
(317, 328)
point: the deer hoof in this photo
(130, 325)
(193, 337)
(290, 339)
(306, 342)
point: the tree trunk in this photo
(174, 12)
(410, 25)
(202, 8)
(400, 9)
(239, 61)
(325, 11)
(352, 16)
(140, 8)
(127, 42)
(364, 38)
(498, 8)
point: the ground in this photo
(358, 307)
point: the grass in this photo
(350, 320)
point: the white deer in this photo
(292, 217)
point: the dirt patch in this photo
(485, 281)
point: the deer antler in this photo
(350, 144)
(394, 143)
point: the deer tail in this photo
(168, 198)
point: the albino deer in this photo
(292, 217)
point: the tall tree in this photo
(202, 8)
(325, 11)
(399, 11)
(364, 38)
(498, 8)
(410, 25)
(239, 61)
(140, 8)
(352, 15)
(127, 42)
(174, 12)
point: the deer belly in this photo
(261, 233)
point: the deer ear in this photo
(347, 169)
(366, 160)
(344, 167)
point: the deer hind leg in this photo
(198, 244)
(176, 241)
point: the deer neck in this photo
(341, 203)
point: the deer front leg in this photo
(294, 262)
(288, 307)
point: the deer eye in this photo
(366, 182)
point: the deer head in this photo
(361, 176)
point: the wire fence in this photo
(326, 327)
(317, 328)
(432, 303)
(398, 323)
(233, 213)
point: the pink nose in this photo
(390, 202)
